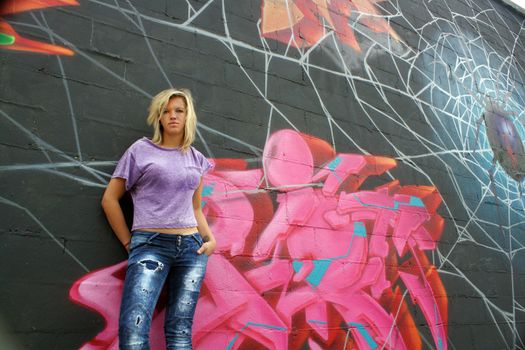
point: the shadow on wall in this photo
(324, 263)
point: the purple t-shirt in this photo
(161, 182)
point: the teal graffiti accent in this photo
(318, 322)
(206, 192)
(322, 265)
(416, 202)
(359, 229)
(253, 324)
(440, 341)
(230, 345)
(6, 39)
(297, 265)
(334, 164)
(360, 328)
(413, 202)
(318, 272)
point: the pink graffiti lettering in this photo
(304, 257)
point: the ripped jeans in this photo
(155, 259)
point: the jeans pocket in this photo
(198, 238)
(137, 241)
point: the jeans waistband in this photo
(153, 235)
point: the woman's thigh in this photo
(184, 285)
(146, 274)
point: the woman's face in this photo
(173, 117)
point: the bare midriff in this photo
(176, 231)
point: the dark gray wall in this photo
(431, 92)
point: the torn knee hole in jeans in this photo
(152, 265)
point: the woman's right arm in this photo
(110, 203)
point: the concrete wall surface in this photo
(367, 188)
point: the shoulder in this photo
(141, 143)
(200, 160)
(195, 153)
(138, 145)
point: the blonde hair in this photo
(159, 102)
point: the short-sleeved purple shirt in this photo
(161, 182)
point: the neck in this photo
(171, 141)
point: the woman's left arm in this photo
(202, 225)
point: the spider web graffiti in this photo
(433, 86)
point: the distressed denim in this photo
(155, 259)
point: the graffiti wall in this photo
(368, 179)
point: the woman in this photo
(171, 239)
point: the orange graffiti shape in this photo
(11, 40)
(302, 23)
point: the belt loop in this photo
(152, 237)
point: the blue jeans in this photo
(156, 258)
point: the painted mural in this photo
(303, 23)
(328, 267)
(369, 167)
(11, 40)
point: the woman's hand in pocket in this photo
(207, 248)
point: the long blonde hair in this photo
(159, 102)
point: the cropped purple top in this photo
(161, 182)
